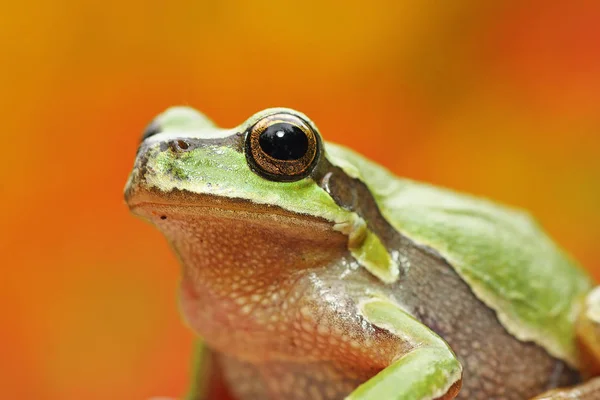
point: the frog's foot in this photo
(429, 370)
(589, 390)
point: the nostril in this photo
(182, 144)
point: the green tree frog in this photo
(311, 272)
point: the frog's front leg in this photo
(429, 370)
(588, 338)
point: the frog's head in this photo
(247, 209)
(270, 164)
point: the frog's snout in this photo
(148, 151)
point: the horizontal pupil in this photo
(284, 141)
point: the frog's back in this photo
(508, 262)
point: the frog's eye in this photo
(282, 147)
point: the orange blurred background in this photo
(498, 98)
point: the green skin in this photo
(500, 255)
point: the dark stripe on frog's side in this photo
(352, 194)
(496, 365)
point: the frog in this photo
(309, 271)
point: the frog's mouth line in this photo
(155, 205)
